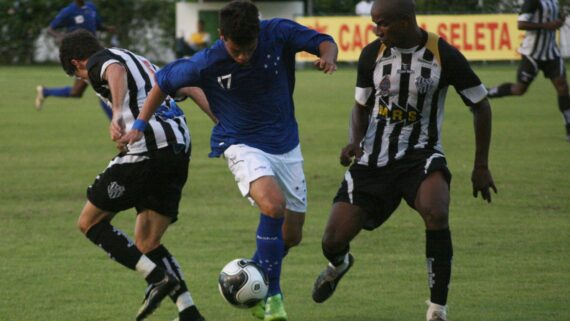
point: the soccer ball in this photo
(242, 283)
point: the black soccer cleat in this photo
(155, 293)
(328, 280)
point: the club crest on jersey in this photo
(409, 115)
(225, 81)
(406, 69)
(385, 85)
(114, 190)
(423, 84)
(79, 19)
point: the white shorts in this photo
(249, 163)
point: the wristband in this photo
(139, 125)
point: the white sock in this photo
(184, 301)
(343, 266)
(145, 266)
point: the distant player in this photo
(79, 14)
(248, 77)
(539, 50)
(395, 146)
(148, 175)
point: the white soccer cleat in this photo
(39, 97)
(436, 312)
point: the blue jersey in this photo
(253, 102)
(74, 17)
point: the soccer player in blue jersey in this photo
(77, 15)
(248, 77)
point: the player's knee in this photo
(147, 245)
(436, 217)
(274, 209)
(84, 224)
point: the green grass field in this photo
(512, 257)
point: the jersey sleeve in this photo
(179, 74)
(96, 66)
(62, 19)
(528, 9)
(457, 72)
(299, 37)
(364, 93)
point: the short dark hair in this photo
(79, 45)
(239, 22)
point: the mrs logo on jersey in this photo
(114, 190)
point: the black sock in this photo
(190, 314)
(500, 91)
(162, 258)
(115, 243)
(564, 107)
(155, 275)
(336, 258)
(439, 253)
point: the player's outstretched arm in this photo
(198, 96)
(358, 127)
(153, 100)
(481, 176)
(328, 54)
(116, 76)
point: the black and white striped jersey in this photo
(540, 44)
(406, 90)
(166, 127)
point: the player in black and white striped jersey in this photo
(148, 175)
(540, 19)
(395, 145)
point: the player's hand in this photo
(122, 147)
(117, 127)
(348, 152)
(482, 182)
(326, 65)
(131, 137)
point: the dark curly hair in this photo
(79, 45)
(239, 22)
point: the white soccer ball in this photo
(242, 283)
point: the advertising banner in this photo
(479, 37)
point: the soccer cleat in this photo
(39, 97)
(436, 312)
(274, 309)
(258, 310)
(328, 280)
(156, 293)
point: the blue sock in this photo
(108, 111)
(270, 248)
(58, 92)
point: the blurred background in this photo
(152, 27)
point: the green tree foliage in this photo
(22, 21)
